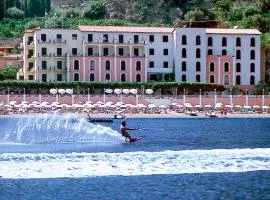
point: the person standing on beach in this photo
(124, 129)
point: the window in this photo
(184, 53)
(210, 41)
(58, 37)
(184, 78)
(165, 52)
(238, 42)
(252, 55)
(121, 51)
(252, 80)
(44, 77)
(121, 38)
(92, 77)
(136, 39)
(224, 42)
(59, 51)
(59, 64)
(44, 64)
(238, 80)
(226, 80)
(138, 78)
(105, 51)
(74, 51)
(252, 67)
(30, 40)
(151, 64)
(136, 52)
(76, 77)
(198, 53)
(74, 36)
(224, 52)
(123, 78)
(107, 77)
(210, 52)
(21, 78)
(30, 77)
(238, 67)
(43, 37)
(212, 66)
(212, 79)
(153, 77)
(107, 65)
(92, 65)
(90, 51)
(184, 40)
(151, 52)
(105, 38)
(198, 78)
(138, 66)
(166, 77)
(123, 65)
(198, 40)
(90, 37)
(252, 42)
(30, 66)
(165, 38)
(151, 38)
(59, 77)
(31, 53)
(226, 67)
(198, 66)
(238, 54)
(184, 66)
(165, 64)
(44, 51)
(76, 65)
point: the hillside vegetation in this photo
(18, 15)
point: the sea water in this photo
(65, 157)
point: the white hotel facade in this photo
(230, 57)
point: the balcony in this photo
(45, 69)
(116, 42)
(44, 55)
(44, 41)
(59, 41)
(60, 69)
(59, 55)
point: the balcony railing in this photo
(55, 68)
(130, 42)
(44, 55)
(47, 68)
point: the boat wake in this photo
(57, 165)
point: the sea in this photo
(53, 156)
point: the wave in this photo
(59, 165)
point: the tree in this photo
(15, 13)
(9, 72)
(94, 10)
(194, 15)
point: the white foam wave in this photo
(48, 165)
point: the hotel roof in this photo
(134, 29)
(233, 31)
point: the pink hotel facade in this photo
(139, 54)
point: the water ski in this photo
(137, 138)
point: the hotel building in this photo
(139, 54)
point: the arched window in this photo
(226, 80)
(238, 80)
(184, 40)
(184, 53)
(252, 67)
(107, 77)
(226, 67)
(238, 67)
(76, 65)
(252, 80)
(123, 78)
(138, 66)
(198, 66)
(224, 42)
(138, 78)
(198, 53)
(252, 55)
(238, 54)
(184, 66)
(198, 78)
(92, 65)
(212, 79)
(92, 77)
(210, 52)
(198, 40)
(238, 42)
(224, 52)
(107, 65)
(210, 41)
(76, 77)
(212, 66)
(184, 78)
(123, 65)
(252, 42)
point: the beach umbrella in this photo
(207, 106)
(108, 91)
(69, 91)
(141, 105)
(247, 107)
(173, 104)
(162, 106)
(35, 102)
(7, 106)
(265, 107)
(53, 91)
(61, 91)
(149, 91)
(17, 106)
(238, 106)
(179, 105)
(126, 91)
(228, 106)
(13, 102)
(256, 106)
(151, 105)
(197, 106)
(88, 102)
(117, 91)
(99, 102)
(133, 91)
(24, 102)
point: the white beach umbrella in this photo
(17, 106)
(88, 102)
(173, 104)
(35, 102)
(179, 105)
(61, 91)
(265, 107)
(133, 91)
(24, 102)
(99, 102)
(69, 91)
(238, 106)
(108, 91)
(117, 91)
(141, 105)
(149, 91)
(162, 106)
(247, 107)
(53, 91)
(7, 106)
(228, 106)
(197, 106)
(207, 106)
(151, 105)
(13, 102)
(256, 106)
(126, 91)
